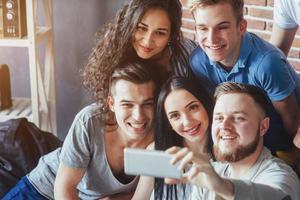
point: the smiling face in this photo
(133, 105)
(237, 128)
(187, 115)
(218, 32)
(152, 34)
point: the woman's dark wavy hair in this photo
(166, 137)
(114, 43)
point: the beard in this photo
(238, 153)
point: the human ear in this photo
(110, 102)
(264, 126)
(243, 26)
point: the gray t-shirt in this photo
(268, 178)
(83, 148)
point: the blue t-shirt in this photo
(260, 64)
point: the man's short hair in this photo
(237, 6)
(256, 93)
(138, 72)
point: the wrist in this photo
(225, 189)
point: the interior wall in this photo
(75, 23)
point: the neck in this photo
(132, 142)
(228, 63)
(239, 168)
(197, 147)
(163, 59)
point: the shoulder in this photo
(263, 51)
(89, 113)
(198, 55)
(269, 164)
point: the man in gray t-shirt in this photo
(90, 163)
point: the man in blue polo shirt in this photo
(227, 52)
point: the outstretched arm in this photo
(283, 38)
(289, 113)
(271, 184)
(201, 174)
(66, 181)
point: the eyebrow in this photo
(145, 101)
(191, 103)
(235, 112)
(219, 24)
(184, 106)
(160, 29)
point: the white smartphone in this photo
(150, 163)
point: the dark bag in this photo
(21, 145)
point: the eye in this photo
(223, 27)
(239, 118)
(148, 105)
(174, 116)
(142, 28)
(160, 33)
(218, 118)
(201, 28)
(126, 105)
(193, 107)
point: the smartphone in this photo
(150, 163)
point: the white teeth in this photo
(193, 129)
(215, 47)
(227, 137)
(137, 125)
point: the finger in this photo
(187, 159)
(179, 155)
(173, 150)
(192, 173)
(176, 181)
(172, 181)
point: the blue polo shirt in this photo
(260, 64)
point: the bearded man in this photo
(245, 169)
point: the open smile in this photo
(146, 49)
(215, 47)
(137, 126)
(193, 130)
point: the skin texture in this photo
(236, 125)
(187, 116)
(152, 34)
(283, 38)
(219, 34)
(133, 105)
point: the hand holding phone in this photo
(150, 163)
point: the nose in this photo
(186, 121)
(226, 124)
(137, 114)
(147, 39)
(211, 36)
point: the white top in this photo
(287, 13)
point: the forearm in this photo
(66, 193)
(225, 189)
(144, 188)
(283, 38)
(292, 124)
(246, 190)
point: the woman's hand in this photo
(199, 172)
